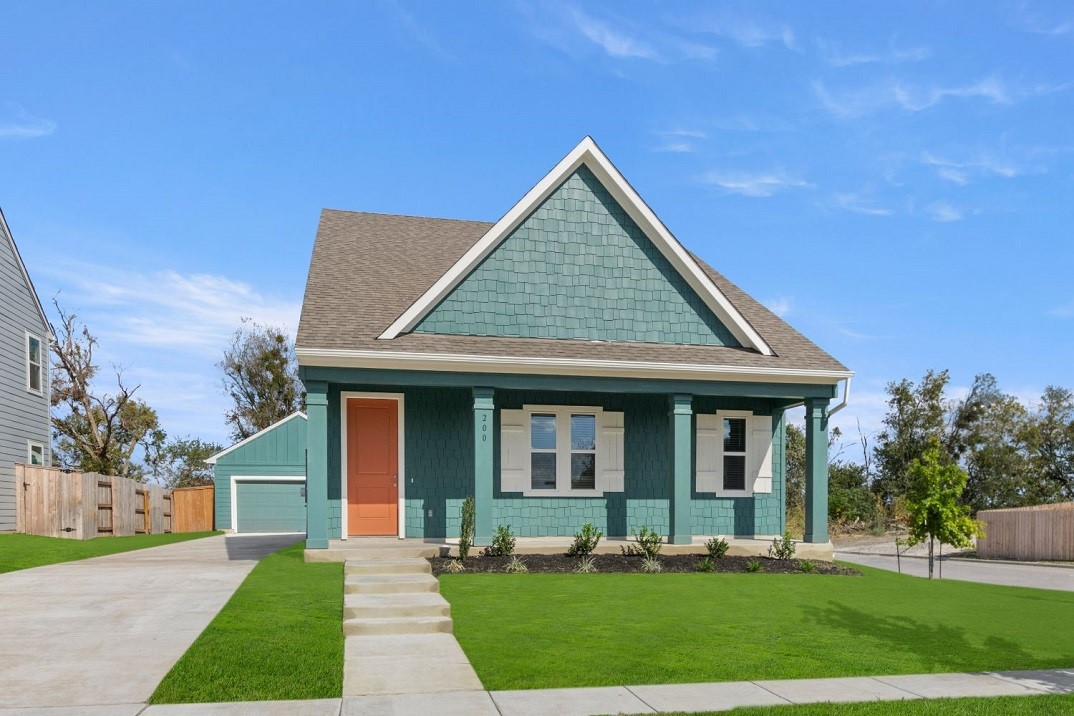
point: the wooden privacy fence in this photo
(192, 509)
(1042, 532)
(82, 505)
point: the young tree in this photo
(933, 500)
(261, 377)
(94, 431)
(916, 415)
(181, 462)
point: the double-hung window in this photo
(563, 449)
(734, 454)
(34, 364)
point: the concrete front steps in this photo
(393, 595)
(398, 629)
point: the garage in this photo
(270, 505)
(261, 481)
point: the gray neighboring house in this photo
(25, 336)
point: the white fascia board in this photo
(451, 362)
(297, 414)
(587, 152)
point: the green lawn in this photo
(1049, 705)
(524, 631)
(280, 636)
(25, 551)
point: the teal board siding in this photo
(578, 267)
(281, 451)
(276, 506)
(439, 469)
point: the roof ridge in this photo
(404, 216)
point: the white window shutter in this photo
(514, 457)
(760, 452)
(610, 453)
(708, 461)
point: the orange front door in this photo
(372, 467)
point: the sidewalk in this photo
(1012, 574)
(632, 699)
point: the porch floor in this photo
(342, 550)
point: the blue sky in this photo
(894, 179)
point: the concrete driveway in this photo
(969, 570)
(107, 630)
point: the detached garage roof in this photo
(250, 441)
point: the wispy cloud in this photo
(857, 204)
(615, 42)
(962, 171)
(897, 94)
(945, 211)
(17, 123)
(1064, 311)
(679, 140)
(760, 184)
(1039, 23)
(836, 57)
(780, 306)
(418, 31)
(191, 313)
(751, 33)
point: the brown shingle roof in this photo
(369, 268)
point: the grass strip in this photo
(18, 551)
(279, 637)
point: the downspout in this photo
(846, 398)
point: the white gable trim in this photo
(297, 414)
(26, 278)
(587, 152)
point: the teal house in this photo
(572, 362)
(260, 482)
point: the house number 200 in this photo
(484, 428)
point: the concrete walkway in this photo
(398, 628)
(1038, 576)
(647, 699)
(105, 631)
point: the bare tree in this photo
(95, 431)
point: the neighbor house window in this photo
(35, 454)
(33, 363)
(734, 453)
(563, 450)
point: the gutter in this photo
(846, 398)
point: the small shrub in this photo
(717, 547)
(651, 564)
(585, 541)
(649, 541)
(516, 566)
(586, 566)
(705, 564)
(807, 566)
(754, 565)
(456, 565)
(466, 529)
(503, 542)
(782, 547)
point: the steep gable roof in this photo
(6, 231)
(587, 154)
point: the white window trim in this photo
(40, 364)
(236, 479)
(30, 445)
(400, 449)
(748, 490)
(563, 454)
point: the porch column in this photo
(816, 463)
(317, 465)
(680, 435)
(483, 478)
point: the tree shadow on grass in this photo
(938, 647)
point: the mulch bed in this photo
(561, 563)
